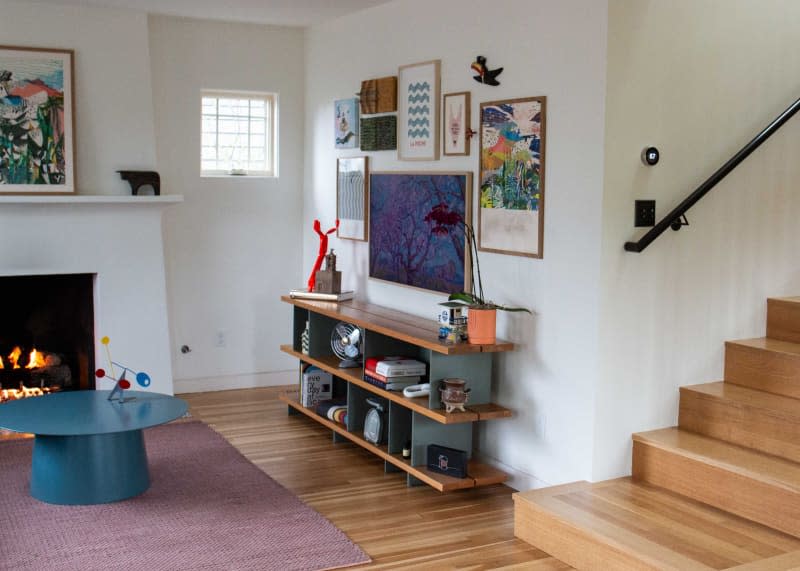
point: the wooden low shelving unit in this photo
(386, 332)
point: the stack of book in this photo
(335, 410)
(393, 373)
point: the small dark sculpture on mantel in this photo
(329, 280)
(138, 179)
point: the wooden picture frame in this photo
(408, 242)
(456, 123)
(352, 198)
(418, 89)
(511, 185)
(37, 121)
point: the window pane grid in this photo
(236, 134)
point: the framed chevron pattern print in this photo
(418, 87)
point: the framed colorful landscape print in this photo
(511, 209)
(456, 123)
(352, 198)
(416, 229)
(36, 121)
(418, 117)
(346, 123)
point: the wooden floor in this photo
(399, 527)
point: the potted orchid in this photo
(482, 319)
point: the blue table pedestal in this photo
(89, 469)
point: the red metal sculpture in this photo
(323, 249)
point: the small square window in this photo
(238, 133)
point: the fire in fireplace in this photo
(46, 334)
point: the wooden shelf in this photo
(478, 474)
(395, 324)
(420, 404)
(422, 420)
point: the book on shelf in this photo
(335, 410)
(400, 368)
(390, 366)
(315, 385)
(305, 294)
(391, 385)
(410, 379)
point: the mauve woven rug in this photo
(208, 508)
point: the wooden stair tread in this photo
(768, 344)
(624, 524)
(743, 396)
(744, 461)
(783, 318)
(788, 299)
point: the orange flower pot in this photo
(482, 326)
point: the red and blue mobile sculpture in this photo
(121, 383)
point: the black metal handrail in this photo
(675, 219)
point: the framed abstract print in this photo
(418, 115)
(456, 123)
(36, 121)
(511, 209)
(408, 243)
(352, 197)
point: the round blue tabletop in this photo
(77, 413)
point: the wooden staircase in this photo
(719, 491)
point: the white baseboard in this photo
(246, 381)
(518, 480)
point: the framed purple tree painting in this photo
(416, 229)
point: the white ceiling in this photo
(277, 12)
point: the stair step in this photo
(754, 419)
(626, 525)
(756, 486)
(764, 364)
(783, 318)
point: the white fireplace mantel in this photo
(164, 200)
(119, 240)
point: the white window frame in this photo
(270, 136)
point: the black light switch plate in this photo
(644, 213)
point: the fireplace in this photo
(46, 334)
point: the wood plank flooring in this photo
(399, 527)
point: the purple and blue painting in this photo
(416, 229)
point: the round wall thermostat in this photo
(650, 156)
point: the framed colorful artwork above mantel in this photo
(36, 121)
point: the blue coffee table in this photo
(89, 450)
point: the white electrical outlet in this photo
(220, 339)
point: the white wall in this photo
(697, 79)
(233, 248)
(555, 49)
(114, 110)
